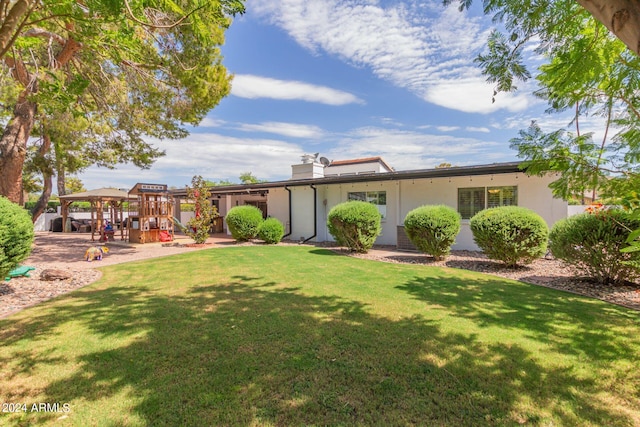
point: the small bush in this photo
(271, 231)
(355, 224)
(16, 236)
(510, 234)
(243, 222)
(592, 242)
(433, 229)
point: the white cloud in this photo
(216, 156)
(447, 128)
(473, 96)
(294, 130)
(253, 87)
(208, 122)
(211, 155)
(477, 129)
(407, 150)
(425, 48)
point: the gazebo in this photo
(103, 200)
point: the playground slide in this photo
(180, 225)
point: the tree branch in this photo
(69, 49)
(13, 21)
(621, 17)
(39, 32)
(18, 70)
(146, 24)
(9, 34)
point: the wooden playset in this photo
(150, 214)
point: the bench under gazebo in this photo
(109, 201)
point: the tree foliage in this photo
(115, 71)
(587, 71)
(249, 178)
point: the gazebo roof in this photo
(101, 194)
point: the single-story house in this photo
(303, 202)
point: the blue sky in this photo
(347, 79)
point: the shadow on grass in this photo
(244, 352)
(568, 323)
(327, 252)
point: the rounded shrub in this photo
(433, 229)
(271, 231)
(355, 224)
(510, 234)
(243, 222)
(591, 242)
(16, 236)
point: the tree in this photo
(621, 17)
(200, 225)
(587, 71)
(443, 165)
(249, 178)
(147, 74)
(74, 185)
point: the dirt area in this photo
(65, 251)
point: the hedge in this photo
(355, 224)
(243, 222)
(16, 236)
(510, 234)
(591, 242)
(433, 229)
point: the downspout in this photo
(315, 213)
(290, 216)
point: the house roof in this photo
(142, 187)
(494, 168)
(376, 159)
(105, 194)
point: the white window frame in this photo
(490, 191)
(371, 197)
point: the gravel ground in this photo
(65, 252)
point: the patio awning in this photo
(101, 194)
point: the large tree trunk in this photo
(13, 20)
(61, 179)
(621, 17)
(43, 201)
(13, 148)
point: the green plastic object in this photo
(19, 271)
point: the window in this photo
(378, 198)
(502, 196)
(473, 200)
(470, 201)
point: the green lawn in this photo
(292, 335)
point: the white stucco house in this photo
(303, 202)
